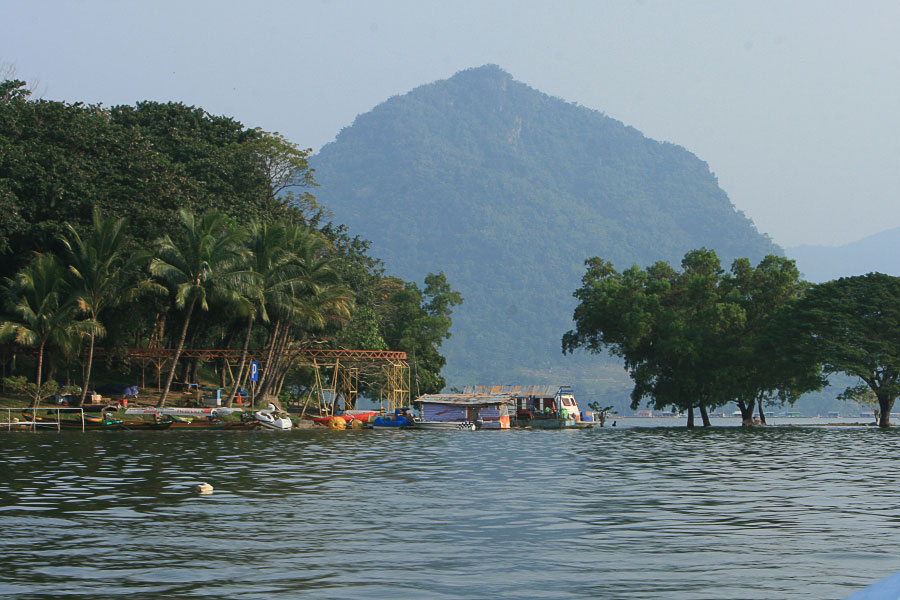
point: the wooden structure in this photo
(336, 373)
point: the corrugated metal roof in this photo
(466, 398)
(542, 391)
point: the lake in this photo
(626, 512)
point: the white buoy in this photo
(205, 488)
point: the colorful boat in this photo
(446, 425)
(90, 422)
(400, 419)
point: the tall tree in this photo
(767, 363)
(204, 257)
(853, 324)
(681, 335)
(100, 269)
(39, 308)
(418, 323)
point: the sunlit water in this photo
(625, 512)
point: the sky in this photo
(794, 105)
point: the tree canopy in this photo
(853, 325)
(700, 337)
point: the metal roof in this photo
(466, 398)
(541, 391)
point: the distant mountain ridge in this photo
(879, 252)
(508, 191)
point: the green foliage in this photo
(852, 324)
(696, 338)
(253, 254)
(36, 393)
(506, 190)
(419, 321)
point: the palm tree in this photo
(316, 297)
(100, 268)
(39, 311)
(270, 268)
(203, 260)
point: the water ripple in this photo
(611, 513)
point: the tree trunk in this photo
(704, 415)
(762, 413)
(690, 422)
(885, 405)
(220, 363)
(87, 372)
(195, 365)
(40, 367)
(237, 380)
(746, 413)
(171, 376)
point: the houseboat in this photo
(540, 406)
(483, 410)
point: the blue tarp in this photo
(886, 589)
(118, 388)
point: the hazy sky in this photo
(794, 105)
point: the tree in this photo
(418, 322)
(853, 324)
(697, 338)
(768, 366)
(100, 269)
(40, 309)
(315, 298)
(202, 259)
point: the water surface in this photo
(625, 512)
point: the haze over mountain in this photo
(508, 191)
(879, 252)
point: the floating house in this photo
(542, 406)
(487, 410)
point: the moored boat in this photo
(446, 425)
(146, 425)
(270, 418)
(400, 419)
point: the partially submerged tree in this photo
(853, 325)
(697, 338)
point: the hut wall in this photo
(443, 412)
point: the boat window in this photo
(568, 401)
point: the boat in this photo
(271, 419)
(445, 425)
(362, 417)
(90, 422)
(146, 425)
(400, 419)
(207, 424)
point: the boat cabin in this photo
(538, 405)
(487, 411)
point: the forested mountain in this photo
(879, 252)
(508, 191)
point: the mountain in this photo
(879, 252)
(508, 190)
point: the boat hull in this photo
(445, 425)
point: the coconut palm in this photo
(99, 268)
(40, 313)
(270, 268)
(317, 298)
(204, 259)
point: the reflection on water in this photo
(630, 512)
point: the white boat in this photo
(446, 425)
(269, 418)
